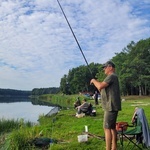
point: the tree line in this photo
(12, 92)
(132, 67)
(41, 91)
(35, 91)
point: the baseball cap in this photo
(108, 63)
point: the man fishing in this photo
(110, 93)
(111, 103)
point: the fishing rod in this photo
(74, 37)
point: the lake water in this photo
(23, 109)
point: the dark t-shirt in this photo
(85, 106)
(110, 95)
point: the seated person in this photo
(134, 122)
(84, 107)
(77, 103)
(134, 117)
(90, 109)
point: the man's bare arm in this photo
(98, 85)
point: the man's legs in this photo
(108, 138)
(110, 130)
(96, 101)
(111, 139)
(114, 139)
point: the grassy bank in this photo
(64, 127)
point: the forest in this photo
(50, 90)
(12, 92)
(132, 68)
(35, 91)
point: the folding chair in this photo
(139, 134)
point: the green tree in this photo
(133, 68)
(78, 79)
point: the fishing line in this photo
(74, 37)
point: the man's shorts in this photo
(110, 118)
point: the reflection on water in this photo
(17, 108)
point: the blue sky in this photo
(37, 47)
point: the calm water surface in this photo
(25, 110)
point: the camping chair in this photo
(139, 134)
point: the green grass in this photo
(7, 126)
(65, 127)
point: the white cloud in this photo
(37, 47)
